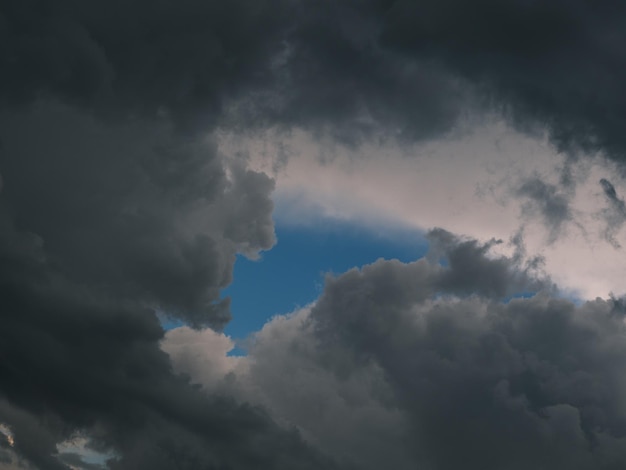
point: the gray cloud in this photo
(559, 65)
(102, 224)
(133, 208)
(547, 201)
(112, 206)
(614, 214)
(346, 68)
(139, 57)
(75, 358)
(486, 385)
(471, 271)
(385, 368)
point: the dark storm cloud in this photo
(384, 365)
(615, 214)
(267, 62)
(101, 225)
(528, 384)
(133, 207)
(73, 360)
(343, 67)
(470, 271)
(112, 207)
(146, 57)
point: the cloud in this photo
(115, 204)
(554, 64)
(549, 202)
(471, 272)
(392, 365)
(204, 352)
(75, 359)
(133, 207)
(408, 69)
(615, 214)
(183, 59)
(102, 224)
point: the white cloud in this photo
(467, 183)
(201, 354)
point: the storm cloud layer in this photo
(118, 206)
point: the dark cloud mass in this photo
(101, 226)
(392, 367)
(533, 383)
(117, 204)
(558, 64)
(344, 67)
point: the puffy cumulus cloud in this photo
(113, 206)
(535, 382)
(201, 354)
(353, 418)
(394, 364)
(102, 223)
(133, 208)
(75, 358)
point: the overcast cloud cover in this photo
(141, 145)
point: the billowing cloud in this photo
(102, 224)
(133, 208)
(344, 67)
(117, 201)
(556, 64)
(393, 364)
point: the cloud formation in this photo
(116, 203)
(350, 68)
(393, 364)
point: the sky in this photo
(312, 234)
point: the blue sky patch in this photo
(291, 274)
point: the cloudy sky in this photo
(312, 234)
